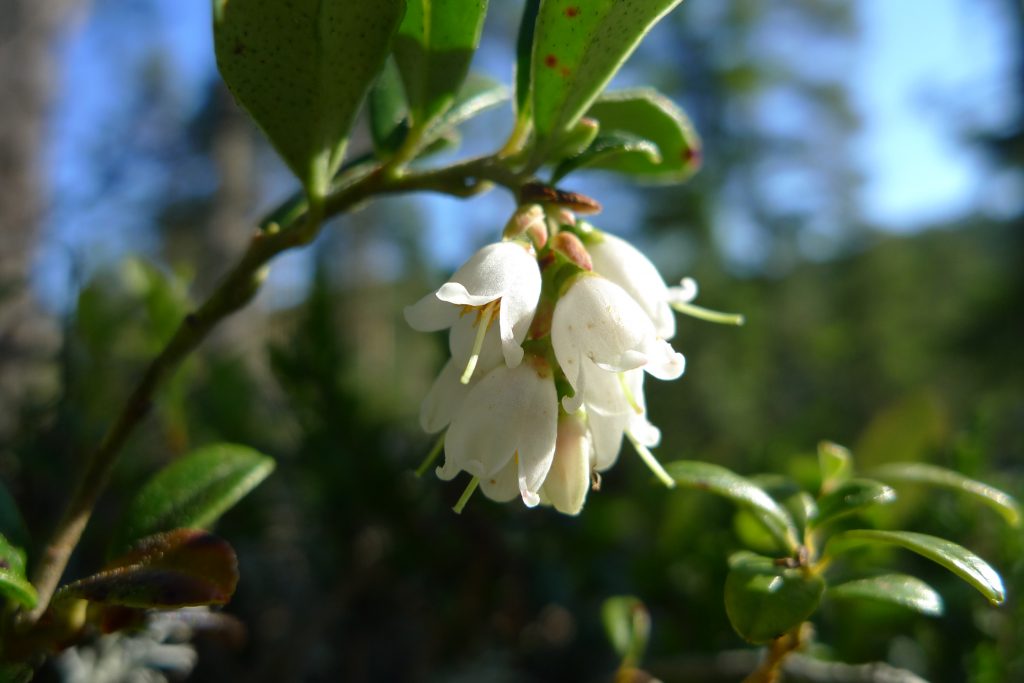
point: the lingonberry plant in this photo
(552, 328)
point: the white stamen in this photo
(630, 399)
(652, 462)
(481, 331)
(435, 451)
(708, 315)
(470, 488)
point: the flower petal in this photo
(430, 314)
(663, 361)
(597, 319)
(684, 293)
(626, 266)
(606, 432)
(492, 271)
(568, 480)
(444, 398)
(503, 486)
(456, 293)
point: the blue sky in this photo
(919, 65)
(920, 61)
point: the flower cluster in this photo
(551, 332)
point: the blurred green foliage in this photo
(902, 348)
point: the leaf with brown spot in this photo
(588, 46)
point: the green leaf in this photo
(577, 140)
(478, 94)
(16, 673)
(628, 626)
(953, 557)
(764, 601)
(920, 473)
(606, 147)
(577, 48)
(835, 463)
(435, 43)
(524, 54)
(648, 115)
(708, 477)
(163, 295)
(387, 111)
(173, 569)
(853, 495)
(802, 507)
(194, 491)
(13, 583)
(11, 523)
(899, 589)
(301, 69)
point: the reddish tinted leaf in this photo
(172, 569)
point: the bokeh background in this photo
(861, 202)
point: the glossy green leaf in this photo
(715, 479)
(577, 48)
(173, 569)
(753, 534)
(433, 48)
(921, 473)
(899, 589)
(628, 626)
(605, 147)
(764, 601)
(649, 115)
(953, 557)
(13, 583)
(301, 69)
(12, 525)
(387, 111)
(851, 496)
(835, 463)
(524, 54)
(194, 491)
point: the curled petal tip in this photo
(513, 354)
(446, 473)
(573, 403)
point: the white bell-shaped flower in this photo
(502, 279)
(622, 263)
(598, 329)
(568, 480)
(504, 431)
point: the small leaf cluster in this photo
(795, 541)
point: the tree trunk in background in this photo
(231, 223)
(28, 337)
